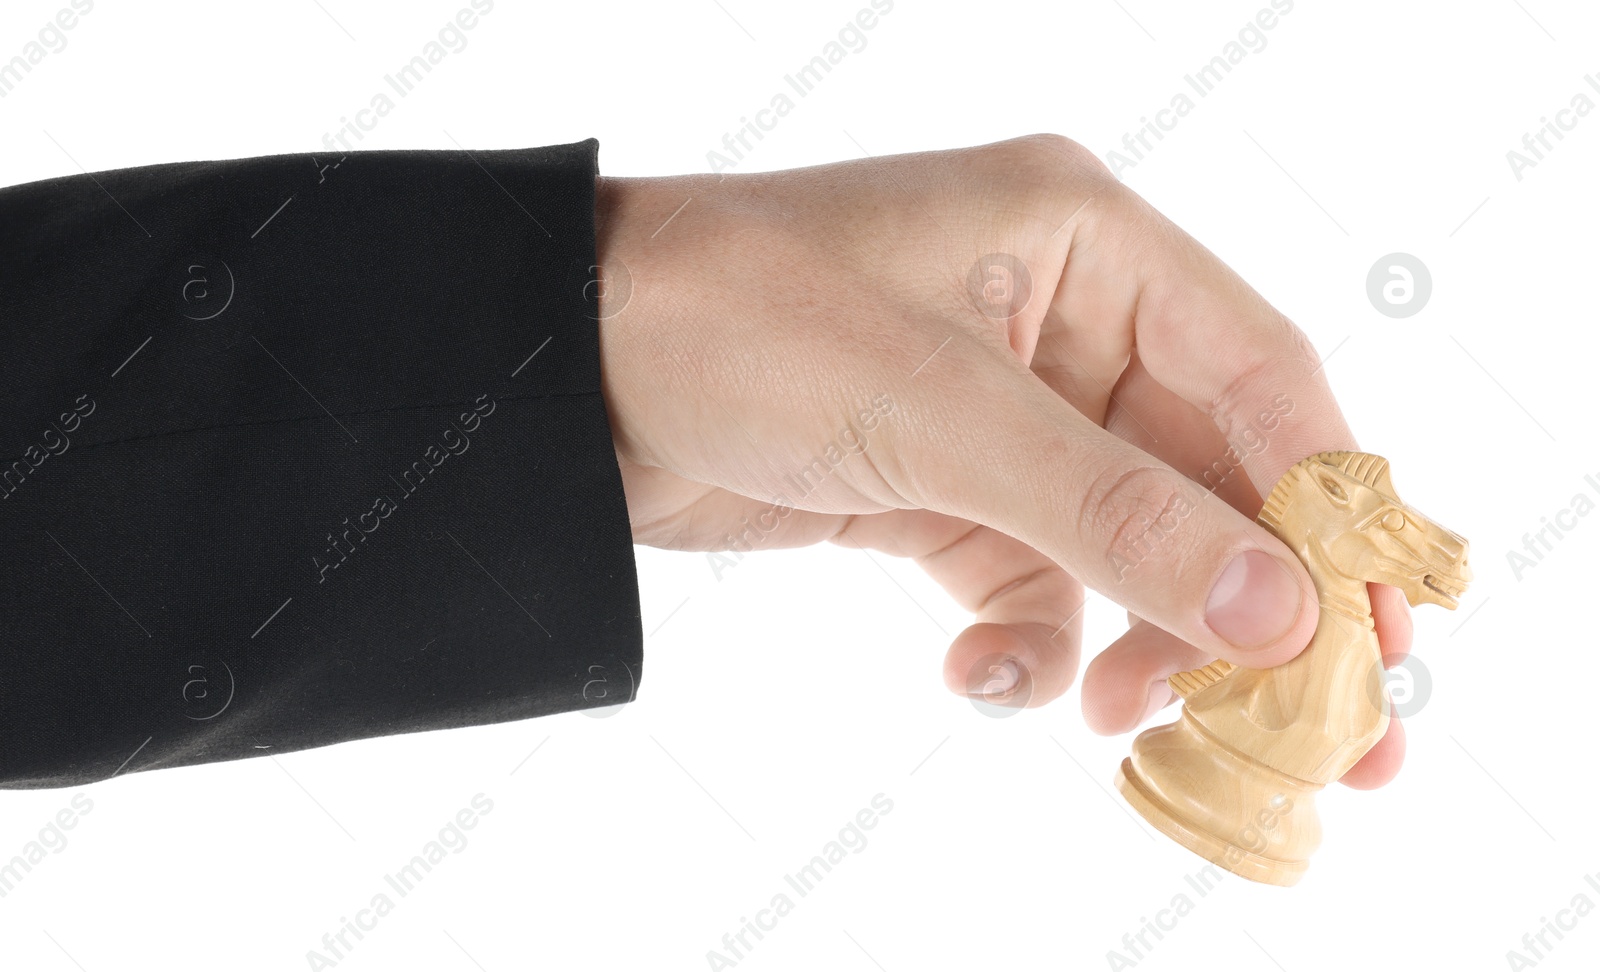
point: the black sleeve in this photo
(302, 449)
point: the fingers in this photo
(1023, 649)
(1125, 685)
(1381, 763)
(1208, 340)
(1083, 364)
(1392, 615)
(994, 444)
(1205, 334)
(1014, 663)
(1153, 417)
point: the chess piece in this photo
(1233, 779)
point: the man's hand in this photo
(999, 361)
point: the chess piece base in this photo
(1219, 803)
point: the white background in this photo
(778, 700)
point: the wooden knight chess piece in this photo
(1233, 778)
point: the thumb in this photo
(992, 443)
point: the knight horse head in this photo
(1340, 508)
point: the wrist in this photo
(613, 280)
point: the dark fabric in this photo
(280, 467)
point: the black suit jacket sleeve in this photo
(302, 449)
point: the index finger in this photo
(1205, 334)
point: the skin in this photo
(1035, 433)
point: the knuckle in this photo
(1283, 344)
(1302, 353)
(1062, 174)
(1060, 147)
(1133, 514)
(1280, 357)
(1058, 154)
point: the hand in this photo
(840, 341)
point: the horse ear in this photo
(1369, 469)
(1379, 476)
(1329, 482)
